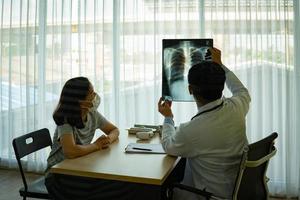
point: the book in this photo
(144, 148)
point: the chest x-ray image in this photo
(178, 56)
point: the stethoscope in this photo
(205, 111)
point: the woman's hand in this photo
(111, 131)
(102, 142)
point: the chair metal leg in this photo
(169, 193)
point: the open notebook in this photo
(144, 148)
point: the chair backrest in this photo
(29, 143)
(251, 180)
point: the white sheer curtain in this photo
(117, 45)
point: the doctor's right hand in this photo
(216, 55)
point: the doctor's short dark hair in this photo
(207, 80)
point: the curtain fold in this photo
(296, 137)
(118, 46)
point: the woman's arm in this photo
(111, 131)
(73, 150)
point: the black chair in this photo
(251, 181)
(25, 145)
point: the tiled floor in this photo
(10, 182)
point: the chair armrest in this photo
(192, 189)
(260, 161)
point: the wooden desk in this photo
(114, 164)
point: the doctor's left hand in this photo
(164, 107)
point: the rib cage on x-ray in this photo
(178, 56)
(181, 59)
(177, 65)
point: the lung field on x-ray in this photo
(177, 65)
(177, 61)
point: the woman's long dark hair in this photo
(68, 109)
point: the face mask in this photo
(96, 102)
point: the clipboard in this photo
(144, 148)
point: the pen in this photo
(141, 149)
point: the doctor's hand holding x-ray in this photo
(164, 107)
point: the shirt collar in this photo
(210, 105)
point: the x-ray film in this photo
(178, 56)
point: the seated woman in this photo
(77, 119)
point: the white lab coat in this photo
(212, 142)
